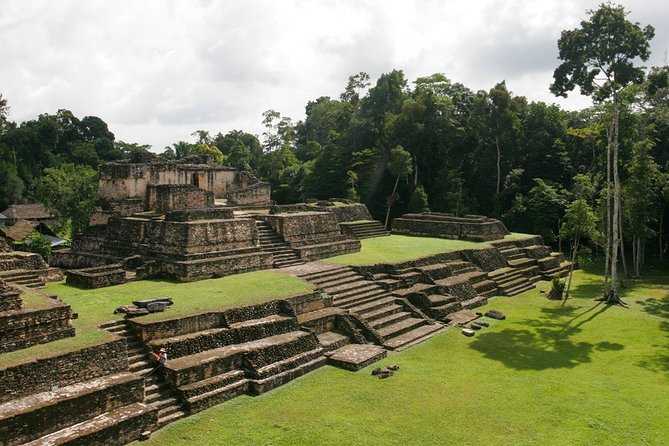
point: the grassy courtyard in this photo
(97, 306)
(400, 248)
(551, 374)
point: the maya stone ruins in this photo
(193, 219)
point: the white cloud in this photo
(156, 71)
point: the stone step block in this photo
(189, 391)
(475, 302)
(120, 426)
(41, 414)
(334, 270)
(354, 357)
(331, 341)
(260, 386)
(412, 337)
(367, 288)
(216, 395)
(383, 312)
(401, 327)
(374, 304)
(390, 319)
(440, 311)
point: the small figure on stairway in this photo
(160, 358)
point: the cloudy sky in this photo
(156, 71)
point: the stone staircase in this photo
(252, 355)
(24, 277)
(392, 321)
(364, 229)
(282, 254)
(157, 393)
(104, 410)
(527, 263)
(441, 288)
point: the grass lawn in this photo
(400, 248)
(582, 373)
(97, 306)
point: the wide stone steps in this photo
(157, 393)
(318, 275)
(390, 319)
(119, 426)
(369, 289)
(412, 337)
(360, 299)
(331, 341)
(371, 305)
(216, 395)
(385, 314)
(365, 229)
(22, 277)
(282, 254)
(338, 279)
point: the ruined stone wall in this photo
(200, 214)
(201, 236)
(42, 374)
(348, 212)
(173, 197)
(150, 330)
(120, 180)
(304, 225)
(27, 327)
(255, 195)
(433, 224)
(97, 277)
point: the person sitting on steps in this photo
(161, 358)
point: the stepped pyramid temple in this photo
(193, 219)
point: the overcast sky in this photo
(156, 71)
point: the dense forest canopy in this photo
(485, 152)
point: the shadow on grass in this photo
(545, 343)
(657, 307)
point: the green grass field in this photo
(97, 306)
(582, 373)
(400, 248)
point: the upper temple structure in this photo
(194, 219)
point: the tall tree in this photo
(69, 191)
(599, 58)
(579, 222)
(399, 165)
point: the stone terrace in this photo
(476, 228)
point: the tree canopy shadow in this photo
(545, 343)
(657, 307)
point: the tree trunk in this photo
(397, 181)
(613, 297)
(571, 267)
(607, 261)
(659, 235)
(623, 259)
(499, 160)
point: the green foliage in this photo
(579, 221)
(419, 201)
(557, 288)
(599, 56)
(69, 192)
(539, 211)
(37, 243)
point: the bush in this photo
(37, 243)
(557, 288)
